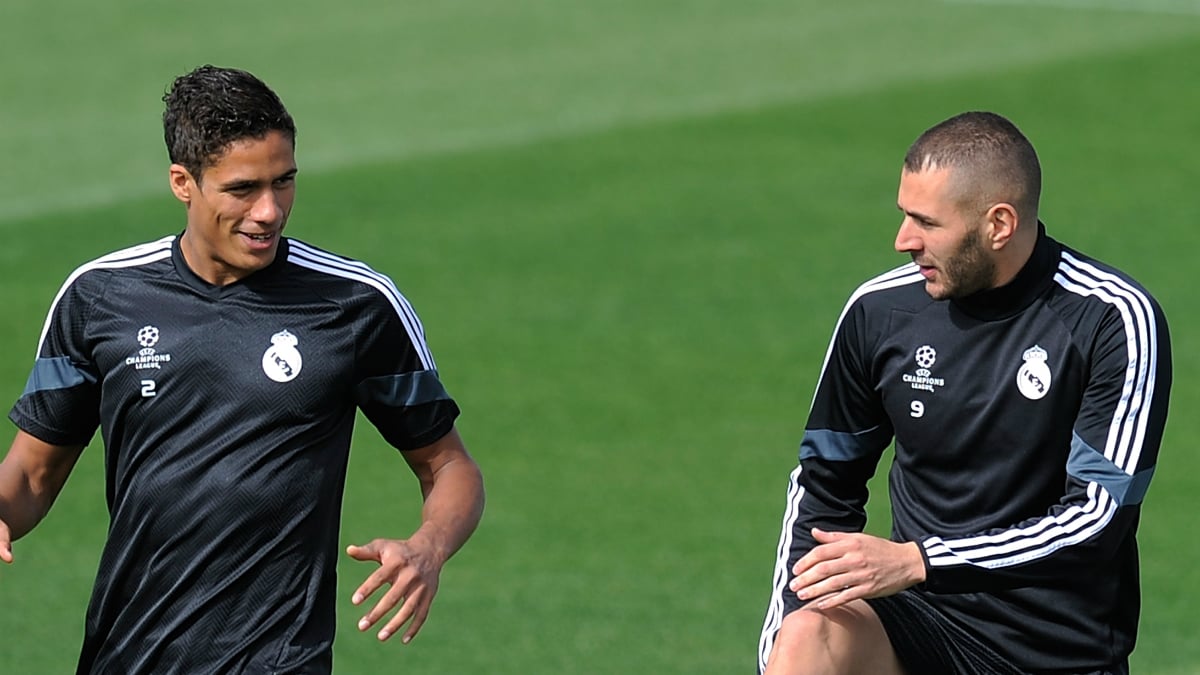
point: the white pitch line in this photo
(1172, 7)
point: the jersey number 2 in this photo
(148, 388)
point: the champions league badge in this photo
(282, 361)
(147, 336)
(923, 378)
(1034, 377)
(147, 358)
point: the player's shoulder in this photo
(900, 288)
(1091, 273)
(145, 258)
(342, 278)
(318, 262)
(1084, 280)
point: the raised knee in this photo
(845, 639)
(802, 645)
(804, 627)
(833, 633)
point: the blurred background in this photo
(629, 227)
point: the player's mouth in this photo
(927, 271)
(259, 241)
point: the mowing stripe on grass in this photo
(565, 73)
(1179, 7)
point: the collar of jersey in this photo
(192, 279)
(1033, 279)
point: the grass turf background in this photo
(628, 228)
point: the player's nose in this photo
(266, 208)
(907, 237)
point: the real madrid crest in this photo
(1034, 377)
(282, 361)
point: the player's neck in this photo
(207, 266)
(1013, 258)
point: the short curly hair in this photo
(210, 108)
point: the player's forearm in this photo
(454, 499)
(31, 476)
(22, 507)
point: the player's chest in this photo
(935, 374)
(299, 356)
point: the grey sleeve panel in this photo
(1091, 466)
(55, 373)
(843, 446)
(403, 390)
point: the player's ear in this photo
(1002, 223)
(182, 183)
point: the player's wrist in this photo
(918, 566)
(432, 539)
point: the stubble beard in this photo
(969, 270)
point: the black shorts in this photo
(927, 643)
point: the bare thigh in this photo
(846, 640)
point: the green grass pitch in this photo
(628, 228)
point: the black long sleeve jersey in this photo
(1027, 421)
(226, 414)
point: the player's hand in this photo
(5, 543)
(847, 566)
(411, 571)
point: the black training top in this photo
(226, 414)
(1027, 422)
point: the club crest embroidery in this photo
(281, 362)
(1033, 380)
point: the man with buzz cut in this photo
(1025, 386)
(224, 367)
